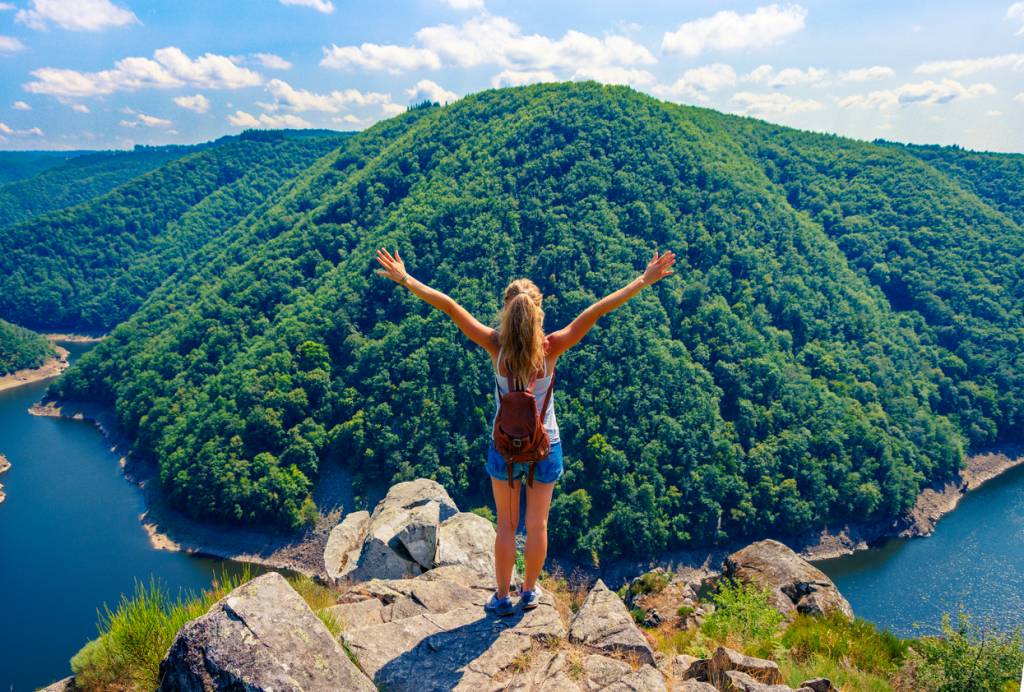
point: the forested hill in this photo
(21, 348)
(16, 165)
(77, 180)
(816, 358)
(90, 266)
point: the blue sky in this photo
(112, 73)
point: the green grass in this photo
(136, 634)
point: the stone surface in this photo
(383, 555)
(604, 623)
(661, 594)
(685, 667)
(65, 685)
(344, 545)
(419, 535)
(547, 672)
(412, 494)
(795, 584)
(466, 539)
(693, 686)
(261, 636)
(606, 673)
(737, 681)
(725, 659)
(819, 685)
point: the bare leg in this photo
(538, 502)
(506, 502)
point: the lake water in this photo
(70, 541)
(974, 558)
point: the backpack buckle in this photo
(517, 442)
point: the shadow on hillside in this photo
(438, 661)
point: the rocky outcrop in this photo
(726, 660)
(668, 597)
(261, 636)
(65, 685)
(466, 539)
(604, 623)
(344, 544)
(795, 585)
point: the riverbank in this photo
(51, 368)
(169, 529)
(5, 466)
(75, 338)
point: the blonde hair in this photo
(521, 329)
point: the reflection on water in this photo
(70, 540)
(975, 558)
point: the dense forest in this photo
(17, 165)
(21, 348)
(90, 266)
(844, 321)
(78, 180)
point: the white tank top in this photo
(540, 390)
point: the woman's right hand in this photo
(659, 267)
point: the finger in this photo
(387, 255)
(397, 256)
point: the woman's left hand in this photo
(394, 267)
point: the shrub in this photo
(858, 643)
(485, 512)
(967, 657)
(744, 617)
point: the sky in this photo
(97, 74)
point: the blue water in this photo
(70, 540)
(975, 559)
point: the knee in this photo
(536, 526)
(505, 533)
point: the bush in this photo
(858, 643)
(744, 617)
(485, 512)
(968, 657)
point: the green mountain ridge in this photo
(21, 348)
(782, 380)
(90, 266)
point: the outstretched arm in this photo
(394, 269)
(658, 268)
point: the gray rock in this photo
(419, 492)
(607, 673)
(737, 681)
(603, 623)
(261, 636)
(686, 667)
(65, 685)
(795, 584)
(466, 539)
(726, 660)
(819, 685)
(419, 535)
(383, 555)
(693, 686)
(547, 673)
(646, 678)
(344, 545)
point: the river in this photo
(70, 541)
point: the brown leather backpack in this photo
(519, 433)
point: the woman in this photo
(519, 348)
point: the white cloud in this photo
(196, 104)
(613, 74)
(77, 15)
(79, 108)
(521, 77)
(864, 74)
(994, 114)
(726, 29)
(5, 6)
(8, 130)
(372, 56)
(243, 119)
(465, 4)
(147, 120)
(697, 81)
(1015, 12)
(426, 89)
(927, 93)
(21, 106)
(1019, 98)
(273, 62)
(490, 39)
(773, 103)
(390, 109)
(325, 6)
(171, 68)
(300, 100)
(790, 76)
(959, 68)
(9, 44)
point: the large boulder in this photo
(795, 585)
(344, 544)
(614, 675)
(466, 539)
(261, 636)
(725, 660)
(604, 623)
(418, 492)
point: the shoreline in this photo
(5, 466)
(51, 368)
(169, 529)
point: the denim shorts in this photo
(548, 470)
